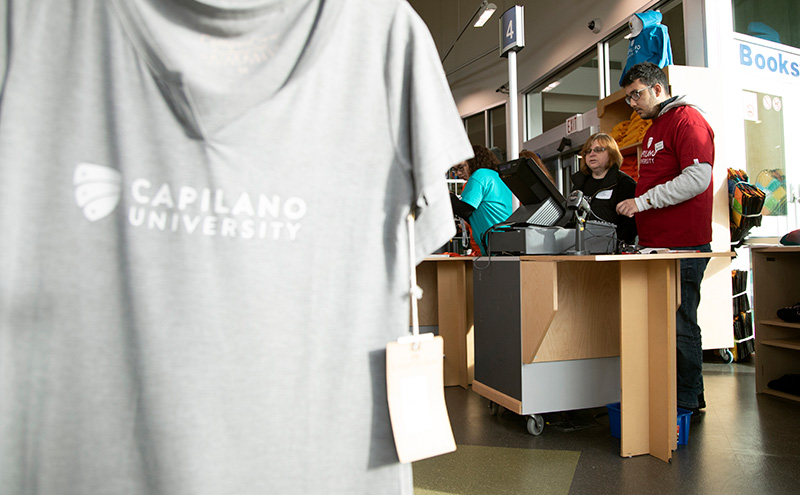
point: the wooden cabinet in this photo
(775, 286)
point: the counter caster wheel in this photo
(726, 355)
(494, 408)
(535, 424)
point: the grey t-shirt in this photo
(202, 221)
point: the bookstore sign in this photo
(769, 61)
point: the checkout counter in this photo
(565, 332)
(556, 332)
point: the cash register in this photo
(546, 222)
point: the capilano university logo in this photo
(187, 210)
(97, 190)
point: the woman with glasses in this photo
(604, 184)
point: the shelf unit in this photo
(775, 271)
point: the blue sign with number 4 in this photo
(512, 30)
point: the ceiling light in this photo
(551, 86)
(485, 12)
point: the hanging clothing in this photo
(650, 42)
(181, 309)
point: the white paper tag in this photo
(604, 194)
(416, 406)
(415, 390)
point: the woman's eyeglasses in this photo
(599, 149)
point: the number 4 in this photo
(510, 30)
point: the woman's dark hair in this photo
(484, 158)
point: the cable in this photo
(486, 241)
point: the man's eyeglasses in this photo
(599, 149)
(635, 95)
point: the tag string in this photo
(415, 291)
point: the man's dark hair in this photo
(649, 73)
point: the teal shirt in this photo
(490, 197)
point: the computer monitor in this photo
(541, 203)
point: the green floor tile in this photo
(476, 470)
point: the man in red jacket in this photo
(673, 204)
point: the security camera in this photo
(594, 25)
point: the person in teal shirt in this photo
(485, 200)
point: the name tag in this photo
(659, 145)
(604, 194)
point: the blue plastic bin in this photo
(683, 422)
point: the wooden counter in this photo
(447, 303)
(586, 310)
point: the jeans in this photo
(689, 342)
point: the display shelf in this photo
(783, 395)
(775, 270)
(612, 110)
(743, 338)
(781, 323)
(785, 343)
(777, 249)
(630, 150)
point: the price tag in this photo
(415, 389)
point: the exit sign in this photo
(575, 123)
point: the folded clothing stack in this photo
(634, 133)
(789, 383)
(619, 131)
(790, 314)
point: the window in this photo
(488, 128)
(476, 128)
(572, 90)
(765, 149)
(773, 20)
(576, 88)
(672, 17)
(672, 13)
(497, 122)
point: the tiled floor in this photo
(745, 443)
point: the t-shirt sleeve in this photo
(696, 142)
(473, 192)
(429, 135)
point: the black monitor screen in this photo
(541, 202)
